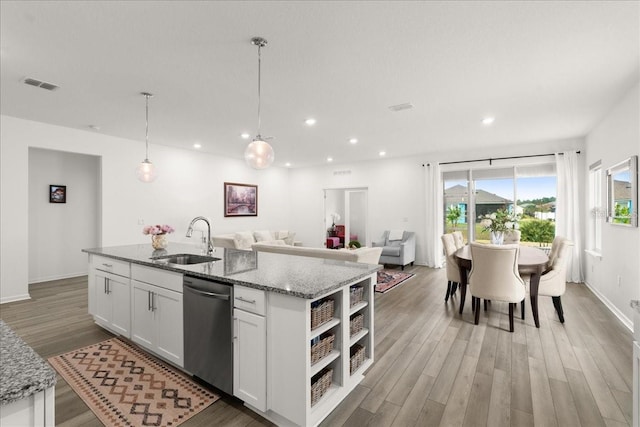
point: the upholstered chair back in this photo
(511, 237)
(449, 245)
(494, 273)
(458, 239)
(555, 245)
(553, 282)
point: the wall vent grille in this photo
(400, 107)
(39, 83)
(342, 172)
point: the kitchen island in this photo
(27, 386)
(302, 327)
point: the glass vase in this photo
(159, 241)
(497, 237)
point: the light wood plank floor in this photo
(433, 367)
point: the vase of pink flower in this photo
(158, 235)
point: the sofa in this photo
(244, 239)
(398, 247)
(363, 255)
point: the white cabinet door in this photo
(143, 325)
(250, 359)
(111, 302)
(157, 321)
(170, 341)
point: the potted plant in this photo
(354, 244)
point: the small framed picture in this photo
(240, 199)
(57, 194)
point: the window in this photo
(594, 242)
(527, 191)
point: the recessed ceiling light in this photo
(382, 153)
(310, 121)
(287, 164)
(244, 135)
(197, 145)
(488, 120)
(329, 159)
(353, 140)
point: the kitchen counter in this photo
(23, 372)
(299, 276)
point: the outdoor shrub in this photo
(537, 230)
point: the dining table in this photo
(531, 262)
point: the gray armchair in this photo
(398, 252)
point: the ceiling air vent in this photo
(342, 172)
(400, 107)
(39, 83)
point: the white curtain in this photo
(568, 209)
(433, 217)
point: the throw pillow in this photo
(243, 240)
(289, 239)
(263, 236)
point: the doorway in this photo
(347, 208)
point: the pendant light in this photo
(145, 171)
(259, 154)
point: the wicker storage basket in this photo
(356, 324)
(320, 384)
(356, 293)
(322, 347)
(357, 358)
(321, 313)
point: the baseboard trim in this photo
(612, 308)
(59, 277)
(15, 298)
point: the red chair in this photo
(333, 242)
(340, 232)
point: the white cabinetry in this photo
(250, 347)
(157, 312)
(292, 376)
(109, 294)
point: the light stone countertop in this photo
(300, 276)
(22, 371)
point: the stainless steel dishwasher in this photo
(208, 344)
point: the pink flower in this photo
(157, 229)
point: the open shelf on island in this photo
(324, 327)
(324, 362)
(354, 339)
(358, 306)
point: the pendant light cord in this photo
(146, 133)
(259, 62)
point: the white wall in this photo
(620, 245)
(190, 183)
(72, 225)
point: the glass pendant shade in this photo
(146, 171)
(259, 154)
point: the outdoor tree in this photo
(453, 215)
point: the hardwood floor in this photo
(433, 367)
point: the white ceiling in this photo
(545, 70)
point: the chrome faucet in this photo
(190, 232)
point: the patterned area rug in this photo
(124, 386)
(388, 279)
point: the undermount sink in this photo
(185, 259)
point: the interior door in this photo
(356, 216)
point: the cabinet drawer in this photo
(110, 265)
(157, 276)
(249, 299)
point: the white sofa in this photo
(363, 255)
(244, 239)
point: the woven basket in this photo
(322, 348)
(321, 384)
(357, 358)
(356, 324)
(322, 313)
(356, 293)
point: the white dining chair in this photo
(458, 238)
(453, 271)
(512, 237)
(494, 276)
(553, 281)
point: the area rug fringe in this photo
(124, 386)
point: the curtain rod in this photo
(491, 159)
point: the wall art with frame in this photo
(240, 199)
(57, 193)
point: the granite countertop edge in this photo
(191, 271)
(23, 372)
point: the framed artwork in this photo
(240, 199)
(57, 194)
